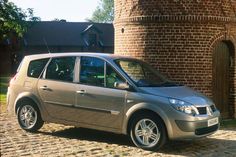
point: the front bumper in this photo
(199, 128)
(191, 129)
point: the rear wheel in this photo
(29, 117)
(148, 131)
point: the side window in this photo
(36, 67)
(112, 76)
(61, 69)
(92, 71)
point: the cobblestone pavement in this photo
(60, 140)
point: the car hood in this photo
(179, 92)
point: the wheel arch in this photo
(144, 107)
(27, 96)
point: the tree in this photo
(14, 19)
(59, 20)
(104, 13)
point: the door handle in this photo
(45, 88)
(81, 91)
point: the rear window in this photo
(36, 67)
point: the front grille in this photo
(213, 108)
(206, 130)
(202, 110)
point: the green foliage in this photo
(104, 13)
(4, 81)
(59, 20)
(13, 19)
(56, 19)
(228, 123)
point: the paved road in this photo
(59, 140)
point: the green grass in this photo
(3, 105)
(228, 123)
(4, 81)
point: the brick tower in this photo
(191, 42)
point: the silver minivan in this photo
(111, 93)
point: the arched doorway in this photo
(222, 63)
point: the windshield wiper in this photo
(169, 84)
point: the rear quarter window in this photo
(36, 67)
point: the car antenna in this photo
(46, 44)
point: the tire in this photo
(29, 117)
(147, 131)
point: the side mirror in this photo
(121, 85)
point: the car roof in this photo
(67, 54)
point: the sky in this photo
(70, 10)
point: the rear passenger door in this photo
(57, 89)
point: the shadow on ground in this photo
(200, 146)
(91, 135)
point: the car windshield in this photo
(142, 74)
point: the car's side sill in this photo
(84, 108)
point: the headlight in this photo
(183, 106)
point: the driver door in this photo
(99, 103)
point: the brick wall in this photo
(178, 38)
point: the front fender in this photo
(147, 106)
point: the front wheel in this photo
(29, 117)
(148, 131)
